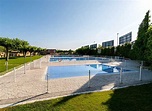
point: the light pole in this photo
(117, 38)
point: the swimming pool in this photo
(60, 59)
(81, 70)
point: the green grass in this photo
(136, 98)
(14, 62)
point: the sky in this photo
(70, 24)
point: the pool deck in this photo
(18, 88)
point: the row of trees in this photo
(86, 51)
(16, 44)
(123, 50)
(65, 52)
(141, 50)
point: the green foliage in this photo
(32, 49)
(86, 51)
(24, 47)
(124, 50)
(65, 52)
(140, 46)
(15, 45)
(18, 45)
(149, 46)
(70, 51)
(2, 49)
(135, 98)
(8, 44)
(132, 54)
(107, 51)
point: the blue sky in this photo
(70, 24)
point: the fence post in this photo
(24, 68)
(47, 58)
(34, 64)
(89, 80)
(47, 83)
(30, 66)
(14, 74)
(40, 62)
(6, 63)
(142, 63)
(121, 75)
(140, 74)
(125, 63)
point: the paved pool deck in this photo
(22, 87)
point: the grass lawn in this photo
(136, 98)
(14, 62)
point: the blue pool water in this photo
(81, 70)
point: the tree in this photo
(44, 51)
(149, 44)
(70, 51)
(31, 49)
(17, 44)
(140, 46)
(24, 47)
(84, 51)
(39, 49)
(7, 43)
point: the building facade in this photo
(108, 44)
(93, 46)
(51, 51)
(127, 38)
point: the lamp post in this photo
(117, 38)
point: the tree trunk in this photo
(31, 56)
(7, 58)
(24, 53)
(24, 57)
